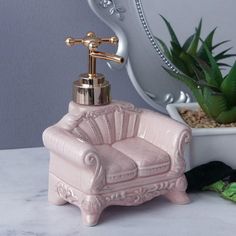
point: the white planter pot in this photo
(207, 144)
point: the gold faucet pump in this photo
(92, 88)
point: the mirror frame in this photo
(120, 16)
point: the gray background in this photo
(37, 69)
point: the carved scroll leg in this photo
(91, 209)
(53, 195)
(178, 194)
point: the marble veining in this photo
(24, 210)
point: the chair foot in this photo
(177, 197)
(53, 196)
(90, 219)
(91, 208)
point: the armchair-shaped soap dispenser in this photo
(105, 154)
(92, 88)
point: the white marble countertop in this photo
(24, 209)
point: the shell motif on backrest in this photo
(108, 125)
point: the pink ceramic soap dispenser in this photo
(105, 152)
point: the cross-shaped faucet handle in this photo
(92, 42)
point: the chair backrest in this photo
(108, 125)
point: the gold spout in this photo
(107, 56)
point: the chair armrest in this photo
(78, 152)
(167, 134)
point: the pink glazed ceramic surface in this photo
(115, 155)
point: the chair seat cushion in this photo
(118, 166)
(150, 159)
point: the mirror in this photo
(137, 22)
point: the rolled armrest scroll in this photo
(80, 153)
(66, 145)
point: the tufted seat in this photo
(115, 155)
(150, 159)
(118, 167)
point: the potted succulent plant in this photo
(213, 117)
(184, 56)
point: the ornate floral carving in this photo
(184, 97)
(66, 193)
(125, 107)
(139, 195)
(179, 163)
(181, 184)
(105, 3)
(113, 8)
(81, 134)
(92, 204)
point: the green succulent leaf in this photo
(191, 83)
(223, 64)
(228, 86)
(184, 78)
(209, 39)
(215, 70)
(227, 116)
(192, 49)
(171, 31)
(177, 59)
(179, 64)
(223, 54)
(189, 62)
(219, 44)
(188, 42)
(226, 50)
(207, 72)
(208, 42)
(214, 89)
(198, 72)
(216, 103)
(221, 57)
(164, 48)
(176, 49)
